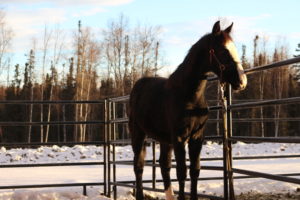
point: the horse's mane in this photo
(193, 57)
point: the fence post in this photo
(105, 147)
(108, 148)
(114, 149)
(228, 96)
(227, 150)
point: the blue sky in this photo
(183, 21)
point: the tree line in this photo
(94, 68)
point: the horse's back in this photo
(146, 92)
(147, 86)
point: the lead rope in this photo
(223, 98)
(228, 154)
(224, 110)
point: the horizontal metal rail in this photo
(119, 99)
(34, 144)
(119, 120)
(50, 164)
(211, 178)
(273, 65)
(125, 120)
(293, 119)
(265, 103)
(50, 185)
(149, 140)
(215, 108)
(266, 139)
(267, 176)
(150, 162)
(265, 67)
(84, 185)
(51, 123)
(52, 101)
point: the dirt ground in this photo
(257, 196)
(269, 196)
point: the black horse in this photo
(174, 111)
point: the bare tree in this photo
(30, 84)
(116, 42)
(255, 41)
(254, 128)
(88, 55)
(92, 60)
(58, 44)
(280, 82)
(130, 53)
(262, 60)
(6, 35)
(45, 49)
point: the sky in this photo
(182, 22)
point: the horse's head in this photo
(224, 58)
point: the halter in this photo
(222, 69)
(221, 66)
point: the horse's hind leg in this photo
(165, 161)
(139, 149)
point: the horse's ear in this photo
(228, 29)
(216, 28)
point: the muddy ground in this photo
(257, 196)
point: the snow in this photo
(94, 173)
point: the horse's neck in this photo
(190, 82)
(195, 94)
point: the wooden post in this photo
(225, 146)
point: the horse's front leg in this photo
(165, 162)
(179, 150)
(195, 146)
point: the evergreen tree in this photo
(67, 92)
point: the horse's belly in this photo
(160, 136)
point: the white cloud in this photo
(93, 2)
(29, 24)
(179, 37)
(26, 23)
(70, 2)
(19, 19)
(244, 27)
(295, 35)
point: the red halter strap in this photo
(212, 55)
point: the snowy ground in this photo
(82, 174)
